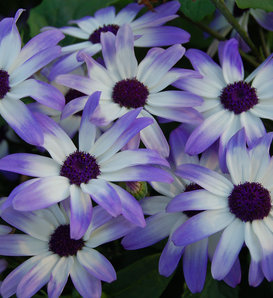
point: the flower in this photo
(125, 85)
(55, 256)
(16, 66)
(148, 31)
(231, 102)
(263, 18)
(241, 208)
(80, 173)
(165, 218)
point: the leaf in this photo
(213, 289)
(57, 13)
(197, 9)
(140, 279)
(262, 4)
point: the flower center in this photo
(130, 93)
(191, 187)
(238, 12)
(80, 167)
(60, 242)
(72, 94)
(95, 36)
(4, 83)
(238, 97)
(249, 201)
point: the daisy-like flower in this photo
(55, 256)
(87, 171)
(163, 223)
(148, 31)
(125, 85)
(16, 66)
(231, 102)
(220, 23)
(240, 207)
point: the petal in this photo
(130, 158)
(204, 64)
(42, 92)
(37, 44)
(37, 277)
(30, 165)
(33, 64)
(195, 265)
(201, 226)
(155, 204)
(42, 193)
(157, 227)
(254, 127)
(105, 15)
(76, 82)
(196, 200)
(21, 245)
(232, 64)
(206, 178)
(253, 244)
(238, 159)
(131, 209)
(263, 18)
(87, 285)
(21, 120)
(160, 66)
(112, 229)
(161, 36)
(169, 258)
(255, 274)
(81, 212)
(233, 278)
(128, 13)
(96, 264)
(10, 44)
(30, 223)
(87, 132)
(208, 132)
(174, 99)
(11, 282)
(125, 56)
(104, 195)
(153, 137)
(59, 276)
(74, 106)
(228, 249)
(138, 173)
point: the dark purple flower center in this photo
(95, 36)
(4, 83)
(238, 97)
(80, 167)
(72, 94)
(60, 242)
(238, 12)
(130, 93)
(249, 201)
(191, 187)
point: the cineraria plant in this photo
(119, 78)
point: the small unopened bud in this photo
(138, 189)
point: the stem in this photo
(218, 36)
(201, 26)
(264, 46)
(220, 4)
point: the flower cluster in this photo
(207, 191)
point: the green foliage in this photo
(213, 289)
(140, 279)
(57, 13)
(198, 9)
(262, 4)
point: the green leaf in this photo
(213, 289)
(262, 4)
(140, 279)
(197, 9)
(57, 13)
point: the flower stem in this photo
(218, 36)
(221, 6)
